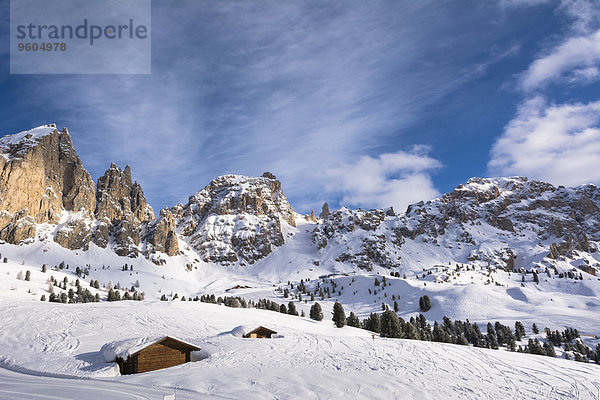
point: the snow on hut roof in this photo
(128, 347)
(238, 331)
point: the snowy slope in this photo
(501, 249)
(310, 360)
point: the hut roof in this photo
(261, 329)
(129, 347)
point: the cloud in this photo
(392, 179)
(554, 143)
(522, 3)
(575, 54)
(295, 88)
(567, 60)
(497, 55)
(583, 14)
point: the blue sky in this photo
(358, 103)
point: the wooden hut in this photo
(152, 355)
(261, 333)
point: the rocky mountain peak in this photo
(491, 221)
(236, 218)
(117, 196)
(40, 177)
(234, 194)
(121, 208)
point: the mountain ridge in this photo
(510, 223)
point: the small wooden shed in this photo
(261, 333)
(150, 355)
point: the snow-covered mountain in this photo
(491, 251)
(511, 224)
(235, 219)
(514, 224)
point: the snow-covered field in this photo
(52, 350)
(310, 359)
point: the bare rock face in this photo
(126, 234)
(40, 177)
(101, 234)
(122, 206)
(484, 221)
(116, 196)
(19, 227)
(75, 234)
(324, 211)
(161, 234)
(235, 218)
(375, 228)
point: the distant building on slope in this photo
(148, 354)
(261, 333)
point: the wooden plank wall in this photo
(159, 356)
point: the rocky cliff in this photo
(121, 208)
(236, 218)
(507, 223)
(43, 180)
(41, 176)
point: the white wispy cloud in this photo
(554, 143)
(296, 89)
(391, 179)
(572, 60)
(573, 56)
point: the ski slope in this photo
(54, 350)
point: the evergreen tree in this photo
(492, 341)
(44, 268)
(27, 275)
(390, 325)
(536, 348)
(462, 341)
(535, 329)
(396, 308)
(519, 330)
(549, 349)
(283, 309)
(411, 331)
(43, 298)
(373, 323)
(339, 316)
(439, 334)
(425, 303)
(292, 308)
(353, 320)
